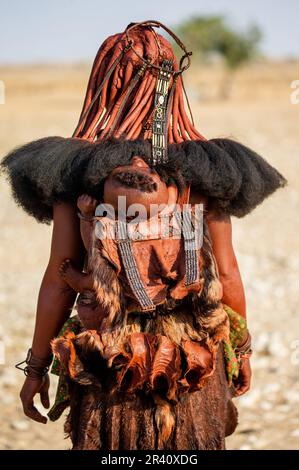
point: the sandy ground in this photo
(46, 100)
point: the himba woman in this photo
(159, 345)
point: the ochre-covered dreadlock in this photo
(119, 100)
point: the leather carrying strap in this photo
(131, 269)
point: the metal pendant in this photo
(159, 128)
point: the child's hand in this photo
(86, 204)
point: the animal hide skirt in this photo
(200, 420)
(157, 383)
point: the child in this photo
(137, 184)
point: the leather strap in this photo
(131, 269)
(157, 24)
(185, 220)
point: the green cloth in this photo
(62, 400)
(237, 331)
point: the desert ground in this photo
(46, 100)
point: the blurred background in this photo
(243, 84)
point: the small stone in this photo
(7, 399)
(245, 447)
(3, 297)
(261, 444)
(261, 343)
(252, 439)
(20, 425)
(270, 388)
(276, 346)
(8, 378)
(266, 405)
(250, 399)
(260, 362)
(283, 408)
(292, 396)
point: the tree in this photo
(207, 35)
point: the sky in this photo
(72, 30)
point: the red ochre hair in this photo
(114, 106)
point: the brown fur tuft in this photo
(164, 419)
(106, 283)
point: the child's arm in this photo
(86, 205)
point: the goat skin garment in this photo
(122, 421)
(123, 407)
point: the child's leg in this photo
(76, 279)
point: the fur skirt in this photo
(154, 381)
(99, 420)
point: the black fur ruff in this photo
(56, 169)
